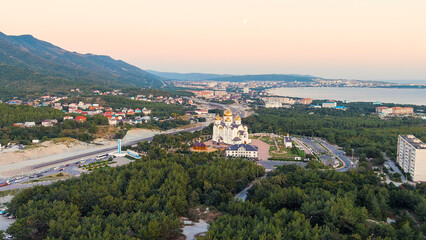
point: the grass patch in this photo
(53, 177)
(9, 192)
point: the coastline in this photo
(406, 96)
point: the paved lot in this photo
(263, 153)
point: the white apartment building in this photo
(412, 157)
(273, 105)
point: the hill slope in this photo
(25, 60)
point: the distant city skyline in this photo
(379, 40)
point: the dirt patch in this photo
(203, 213)
(52, 147)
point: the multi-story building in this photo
(395, 110)
(273, 105)
(306, 101)
(242, 150)
(329, 104)
(402, 110)
(412, 156)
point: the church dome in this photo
(218, 117)
(228, 119)
(227, 113)
(238, 118)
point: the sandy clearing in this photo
(47, 148)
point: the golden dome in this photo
(238, 118)
(218, 117)
(227, 113)
(227, 119)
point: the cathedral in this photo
(229, 131)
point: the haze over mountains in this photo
(233, 78)
(29, 64)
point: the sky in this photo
(354, 39)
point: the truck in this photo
(2, 184)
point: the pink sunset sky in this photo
(362, 39)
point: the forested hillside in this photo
(295, 203)
(367, 134)
(33, 65)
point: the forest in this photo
(367, 134)
(297, 203)
(141, 200)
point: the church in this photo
(229, 131)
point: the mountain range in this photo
(29, 65)
(233, 78)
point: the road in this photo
(302, 146)
(316, 148)
(347, 163)
(394, 168)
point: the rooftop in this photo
(417, 143)
(247, 147)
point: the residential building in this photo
(29, 124)
(18, 124)
(220, 93)
(273, 104)
(47, 123)
(242, 150)
(146, 111)
(411, 157)
(329, 104)
(306, 101)
(402, 110)
(80, 119)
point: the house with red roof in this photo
(80, 119)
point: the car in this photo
(67, 165)
(56, 168)
(2, 212)
(60, 169)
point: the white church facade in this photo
(229, 131)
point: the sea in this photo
(414, 96)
